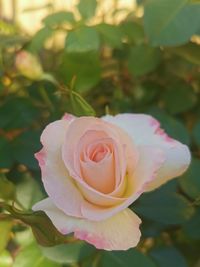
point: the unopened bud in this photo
(28, 65)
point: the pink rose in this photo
(93, 169)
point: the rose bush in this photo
(94, 168)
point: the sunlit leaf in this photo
(58, 18)
(31, 256)
(87, 8)
(28, 192)
(40, 38)
(82, 39)
(110, 34)
(6, 259)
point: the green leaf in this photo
(31, 256)
(28, 192)
(82, 39)
(196, 133)
(18, 112)
(69, 253)
(190, 52)
(170, 22)
(145, 93)
(164, 205)
(80, 106)
(128, 258)
(179, 98)
(87, 8)
(152, 229)
(6, 158)
(7, 188)
(5, 228)
(173, 127)
(190, 182)
(6, 259)
(58, 18)
(133, 31)
(143, 59)
(84, 66)
(110, 34)
(191, 228)
(40, 38)
(24, 238)
(24, 148)
(168, 256)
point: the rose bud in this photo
(28, 65)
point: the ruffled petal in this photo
(145, 130)
(119, 232)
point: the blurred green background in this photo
(143, 57)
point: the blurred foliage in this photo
(148, 62)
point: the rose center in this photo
(98, 152)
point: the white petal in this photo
(177, 161)
(145, 130)
(55, 177)
(119, 232)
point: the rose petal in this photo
(145, 130)
(55, 177)
(78, 128)
(149, 163)
(103, 175)
(100, 176)
(119, 232)
(53, 135)
(177, 161)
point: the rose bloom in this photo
(94, 168)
